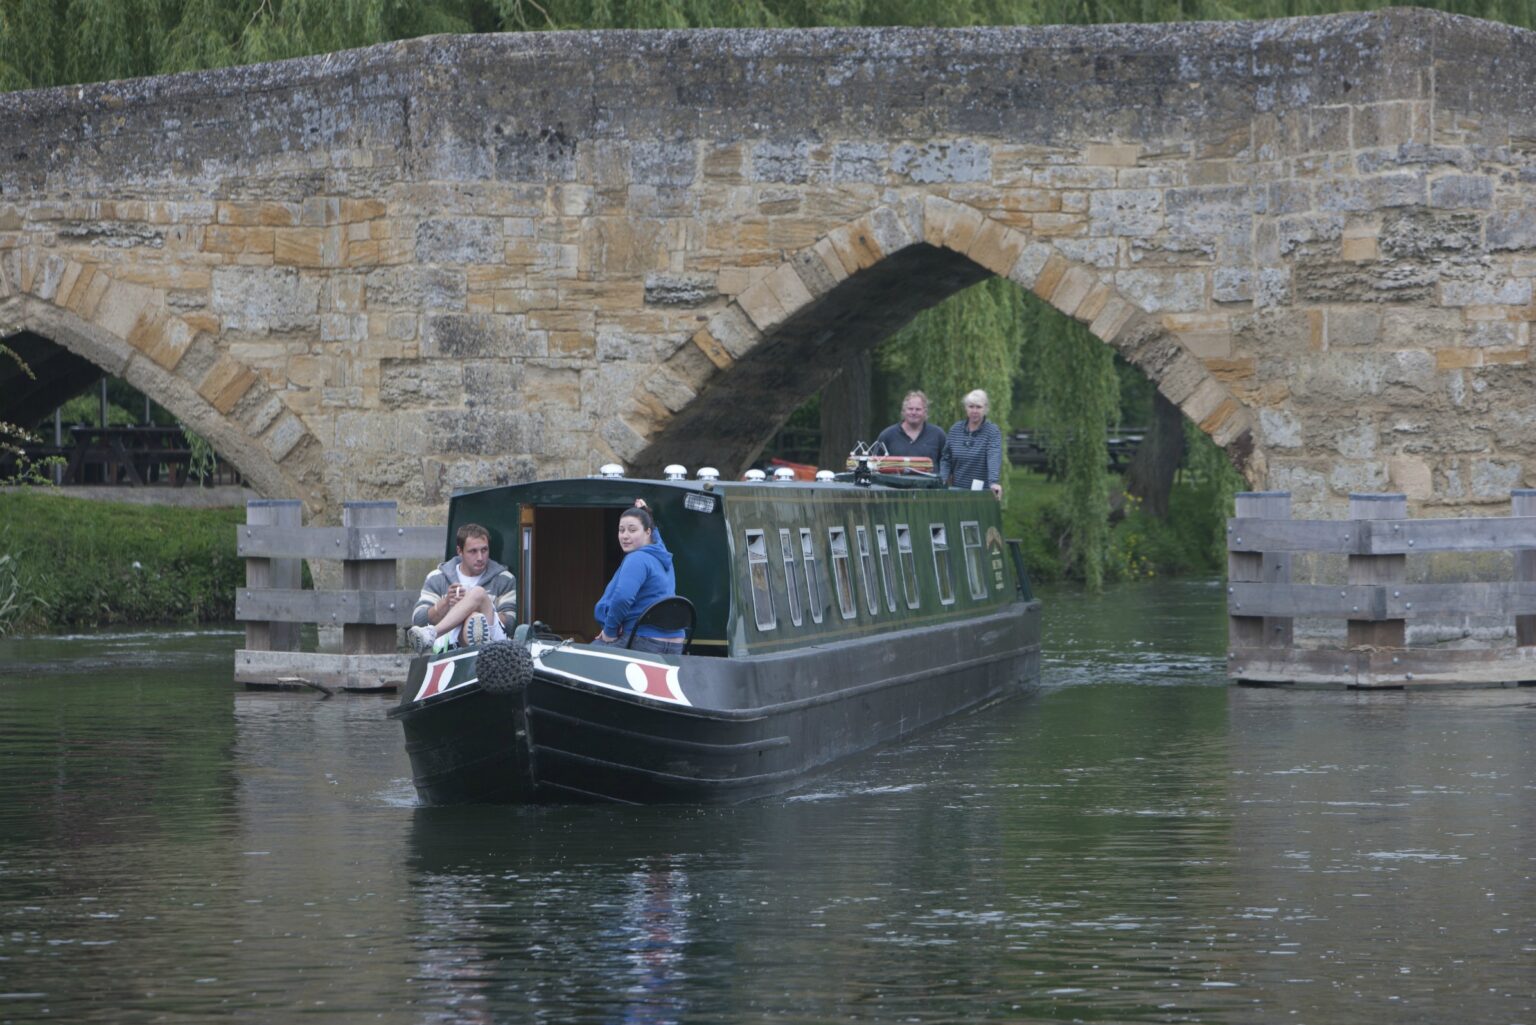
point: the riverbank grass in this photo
(75, 563)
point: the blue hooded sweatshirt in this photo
(645, 576)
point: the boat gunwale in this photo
(714, 713)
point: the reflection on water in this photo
(1136, 842)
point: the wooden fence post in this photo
(364, 574)
(1377, 569)
(1523, 503)
(273, 573)
(1260, 567)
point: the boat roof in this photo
(878, 482)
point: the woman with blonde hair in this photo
(973, 450)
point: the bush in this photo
(1190, 542)
(79, 563)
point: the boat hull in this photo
(594, 724)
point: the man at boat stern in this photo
(913, 435)
(471, 599)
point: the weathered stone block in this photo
(1072, 289)
(1231, 285)
(662, 163)
(685, 290)
(1125, 212)
(459, 240)
(1094, 252)
(1461, 190)
(781, 162)
(1281, 428)
(1375, 192)
(483, 432)
(480, 334)
(1487, 292)
(1157, 291)
(1512, 229)
(284, 437)
(1112, 154)
(951, 225)
(225, 384)
(261, 298)
(959, 160)
(859, 161)
(1410, 475)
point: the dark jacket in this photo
(930, 443)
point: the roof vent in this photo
(783, 473)
(611, 470)
(708, 473)
(825, 475)
(755, 476)
(676, 471)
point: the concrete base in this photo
(296, 669)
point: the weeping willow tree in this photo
(971, 340)
(985, 337)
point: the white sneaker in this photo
(421, 638)
(476, 632)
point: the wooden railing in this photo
(1375, 600)
(370, 608)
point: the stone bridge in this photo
(393, 272)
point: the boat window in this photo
(867, 570)
(812, 578)
(791, 574)
(908, 565)
(757, 566)
(941, 563)
(887, 572)
(970, 537)
(842, 576)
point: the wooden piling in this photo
(268, 573)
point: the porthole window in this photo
(791, 574)
(842, 576)
(812, 577)
(941, 571)
(867, 570)
(970, 539)
(887, 571)
(757, 571)
(908, 561)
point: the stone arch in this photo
(132, 331)
(928, 235)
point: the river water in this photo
(1135, 842)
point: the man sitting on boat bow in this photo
(469, 600)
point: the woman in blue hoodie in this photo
(645, 576)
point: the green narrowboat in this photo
(829, 617)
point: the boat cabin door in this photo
(567, 554)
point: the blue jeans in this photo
(652, 645)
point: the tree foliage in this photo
(58, 42)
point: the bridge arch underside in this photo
(461, 261)
(65, 352)
(730, 422)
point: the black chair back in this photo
(672, 614)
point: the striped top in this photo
(972, 456)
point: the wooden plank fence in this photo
(370, 608)
(1376, 600)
